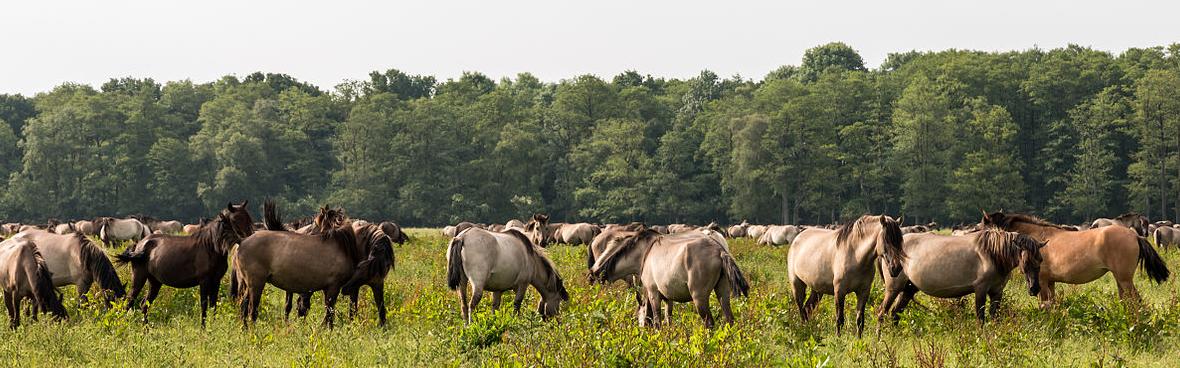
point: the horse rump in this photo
(455, 273)
(1151, 261)
(131, 256)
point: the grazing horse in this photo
(24, 275)
(739, 230)
(111, 230)
(779, 235)
(395, 232)
(1131, 220)
(335, 258)
(675, 268)
(1079, 257)
(576, 234)
(66, 228)
(85, 227)
(756, 231)
(915, 229)
(499, 262)
(1165, 236)
(841, 261)
(75, 260)
(947, 266)
(185, 261)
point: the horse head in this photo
(238, 217)
(1030, 261)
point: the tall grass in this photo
(1090, 327)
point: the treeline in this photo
(1069, 133)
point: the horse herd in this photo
(334, 254)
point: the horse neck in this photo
(1039, 232)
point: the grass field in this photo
(1090, 327)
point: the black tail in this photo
(95, 260)
(46, 295)
(455, 274)
(132, 256)
(737, 281)
(1151, 262)
(270, 216)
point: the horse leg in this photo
(701, 301)
(723, 295)
(886, 303)
(303, 305)
(800, 290)
(980, 303)
(137, 281)
(83, 286)
(1048, 293)
(496, 299)
(463, 309)
(287, 308)
(996, 295)
(907, 295)
(330, 295)
(476, 296)
(205, 291)
(862, 300)
(10, 303)
(153, 292)
(518, 299)
(1126, 285)
(813, 302)
(352, 302)
(840, 295)
(378, 289)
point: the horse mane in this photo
(380, 257)
(212, 234)
(890, 232)
(1003, 248)
(95, 260)
(554, 278)
(609, 261)
(850, 231)
(1007, 220)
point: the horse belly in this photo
(176, 271)
(501, 281)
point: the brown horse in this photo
(24, 275)
(337, 258)
(1079, 257)
(395, 232)
(366, 233)
(185, 261)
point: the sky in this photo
(49, 42)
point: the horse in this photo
(10, 228)
(779, 234)
(576, 234)
(395, 232)
(1079, 257)
(755, 231)
(915, 229)
(85, 227)
(335, 258)
(24, 275)
(75, 260)
(499, 262)
(538, 230)
(449, 231)
(111, 230)
(66, 228)
(946, 266)
(662, 229)
(193, 228)
(739, 230)
(514, 223)
(185, 261)
(680, 228)
(1165, 236)
(675, 268)
(1130, 220)
(837, 262)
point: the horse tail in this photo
(270, 216)
(737, 281)
(1151, 261)
(455, 274)
(590, 256)
(96, 262)
(233, 279)
(136, 257)
(41, 281)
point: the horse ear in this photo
(986, 218)
(244, 203)
(229, 206)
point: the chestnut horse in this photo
(1079, 257)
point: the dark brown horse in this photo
(185, 261)
(337, 258)
(395, 232)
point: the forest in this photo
(1069, 134)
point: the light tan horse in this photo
(779, 235)
(24, 275)
(1079, 257)
(1165, 236)
(499, 262)
(576, 234)
(75, 260)
(113, 230)
(755, 231)
(85, 227)
(675, 268)
(945, 266)
(842, 261)
(739, 230)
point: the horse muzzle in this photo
(1033, 291)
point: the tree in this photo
(1157, 112)
(989, 175)
(923, 131)
(834, 55)
(1091, 182)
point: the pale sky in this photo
(48, 42)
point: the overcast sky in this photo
(48, 42)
